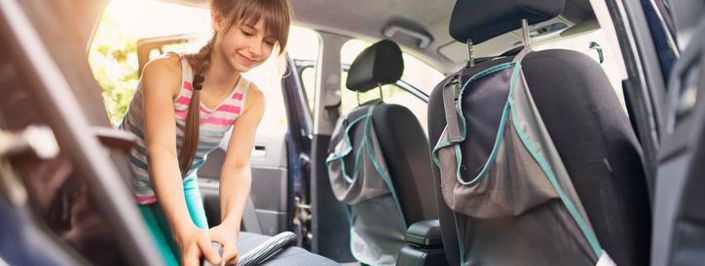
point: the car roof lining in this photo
(366, 20)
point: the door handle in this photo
(259, 151)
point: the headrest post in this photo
(358, 98)
(527, 34)
(379, 86)
(471, 56)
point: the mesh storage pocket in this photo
(488, 172)
(498, 165)
(359, 178)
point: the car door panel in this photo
(679, 219)
(269, 191)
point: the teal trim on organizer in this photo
(352, 251)
(500, 131)
(387, 180)
(459, 108)
(463, 126)
(477, 76)
(358, 153)
(582, 224)
(348, 212)
(348, 208)
(334, 156)
(461, 244)
(434, 153)
(348, 149)
(587, 232)
(493, 154)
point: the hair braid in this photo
(199, 63)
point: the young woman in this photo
(183, 107)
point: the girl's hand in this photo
(226, 236)
(195, 243)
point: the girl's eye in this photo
(246, 32)
(269, 42)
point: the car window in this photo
(113, 52)
(308, 80)
(304, 46)
(416, 73)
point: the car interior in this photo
(576, 122)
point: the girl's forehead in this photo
(259, 25)
(253, 22)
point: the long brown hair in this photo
(276, 16)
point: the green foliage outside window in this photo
(113, 60)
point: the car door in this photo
(671, 129)
(679, 218)
(76, 207)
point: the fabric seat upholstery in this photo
(402, 141)
(590, 131)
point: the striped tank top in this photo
(214, 123)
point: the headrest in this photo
(481, 20)
(381, 63)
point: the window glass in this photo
(308, 81)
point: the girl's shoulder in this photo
(164, 71)
(170, 62)
(255, 97)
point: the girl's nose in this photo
(256, 48)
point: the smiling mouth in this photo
(247, 60)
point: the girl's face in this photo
(245, 46)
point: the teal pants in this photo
(159, 227)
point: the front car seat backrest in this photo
(586, 123)
(379, 162)
(401, 136)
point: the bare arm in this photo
(161, 83)
(236, 176)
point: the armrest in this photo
(425, 245)
(426, 233)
